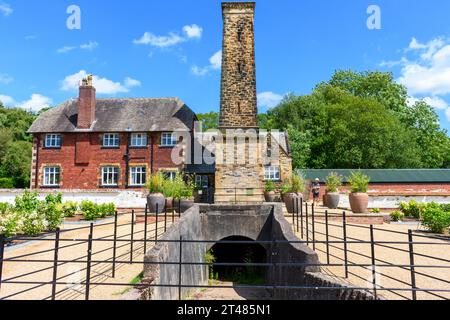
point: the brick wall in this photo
(82, 155)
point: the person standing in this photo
(316, 190)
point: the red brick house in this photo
(90, 143)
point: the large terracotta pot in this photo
(155, 200)
(324, 200)
(332, 200)
(184, 204)
(359, 202)
(291, 200)
(270, 196)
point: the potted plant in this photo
(359, 199)
(184, 194)
(333, 181)
(269, 191)
(294, 192)
(155, 198)
(169, 192)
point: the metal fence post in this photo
(2, 254)
(301, 220)
(145, 229)
(297, 210)
(327, 236)
(344, 229)
(307, 225)
(293, 214)
(55, 263)
(156, 226)
(89, 259)
(165, 218)
(179, 208)
(313, 213)
(114, 246)
(374, 271)
(179, 268)
(411, 262)
(132, 236)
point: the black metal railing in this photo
(100, 265)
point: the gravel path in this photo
(388, 277)
(71, 274)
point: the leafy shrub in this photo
(155, 183)
(397, 216)
(412, 209)
(33, 223)
(106, 210)
(375, 210)
(4, 207)
(69, 209)
(54, 198)
(445, 207)
(270, 186)
(435, 219)
(6, 183)
(52, 213)
(27, 203)
(285, 188)
(90, 210)
(333, 181)
(298, 183)
(359, 182)
(10, 223)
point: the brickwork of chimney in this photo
(86, 107)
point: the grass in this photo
(136, 280)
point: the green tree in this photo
(210, 120)
(16, 163)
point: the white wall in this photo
(122, 199)
(391, 202)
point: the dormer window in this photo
(53, 141)
(111, 140)
(168, 139)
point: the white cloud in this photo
(5, 79)
(215, 63)
(435, 102)
(102, 85)
(193, 31)
(35, 103)
(65, 49)
(6, 100)
(268, 99)
(173, 38)
(130, 82)
(5, 9)
(89, 46)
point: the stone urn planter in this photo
(169, 203)
(332, 200)
(270, 196)
(184, 204)
(290, 200)
(359, 202)
(156, 200)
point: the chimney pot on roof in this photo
(86, 104)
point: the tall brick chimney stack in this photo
(86, 104)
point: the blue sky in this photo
(149, 48)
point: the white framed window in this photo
(201, 181)
(111, 140)
(110, 176)
(168, 139)
(138, 140)
(272, 173)
(170, 175)
(52, 176)
(53, 141)
(138, 176)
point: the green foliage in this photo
(298, 183)
(333, 181)
(52, 213)
(209, 120)
(6, 183)
(397, 216)
(285, 188)
(360, 120)
(90, 210)
(270, 186)
(358, 181)
(210, 259)
(107, 209)
(27, 203)
(412, 209)
(69, 209)
(4, 207)
(375, 210)
(435, 219)
(54, 198)
(33, 223)
(10, 223)
(155, 183)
